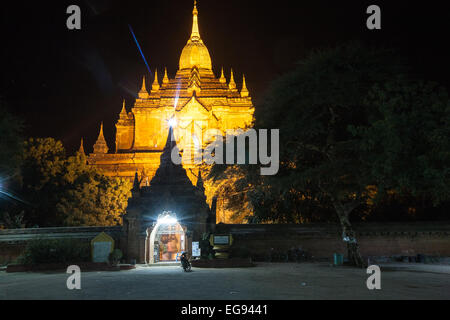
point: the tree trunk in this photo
(349, 235)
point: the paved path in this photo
(417, 267)
(266, 281)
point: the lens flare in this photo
(172, 122)
(167, 220)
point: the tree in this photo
(66, 191)
(232, 186)
(321, 165)
(94, 199)
(320, 156)
(253, 198)
(407, 142)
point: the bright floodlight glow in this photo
(173, 122)
(167, 220)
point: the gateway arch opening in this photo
(167, 239)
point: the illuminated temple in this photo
(194, 101)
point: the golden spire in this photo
(123, 112)
(100, 146)
(155, 85)
(244, 91)
(166, 78)
(232, 84)
(195, 35)
(222, 77)
(143, 94)
(81, 150)
(195, 53)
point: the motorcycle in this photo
(185, 264)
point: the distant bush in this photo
(55, 251)
(115, 256)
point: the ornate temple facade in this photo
(192, 102)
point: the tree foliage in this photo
(351, 127)
(407, 142)
(66, 191)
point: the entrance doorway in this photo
(167, 240)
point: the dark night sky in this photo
(63, 83)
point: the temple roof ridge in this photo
(193, 99)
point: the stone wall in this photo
(13, 242)
(322, 240)
(319, 240)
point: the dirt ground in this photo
(285, 281)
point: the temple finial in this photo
(123, 112)
(136, 182)
(244, 91)
(232, 84)
(81, 150)
(195, 35)
(195, 11)
(155, 85)
(222, 77)
(143, 94)
(166, 78)
(199, 183)
(100, 146)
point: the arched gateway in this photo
(168, 215)
(165, 240)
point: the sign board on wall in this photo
(101, 251)
(196, 251)
(221, 240)
(101, 246)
